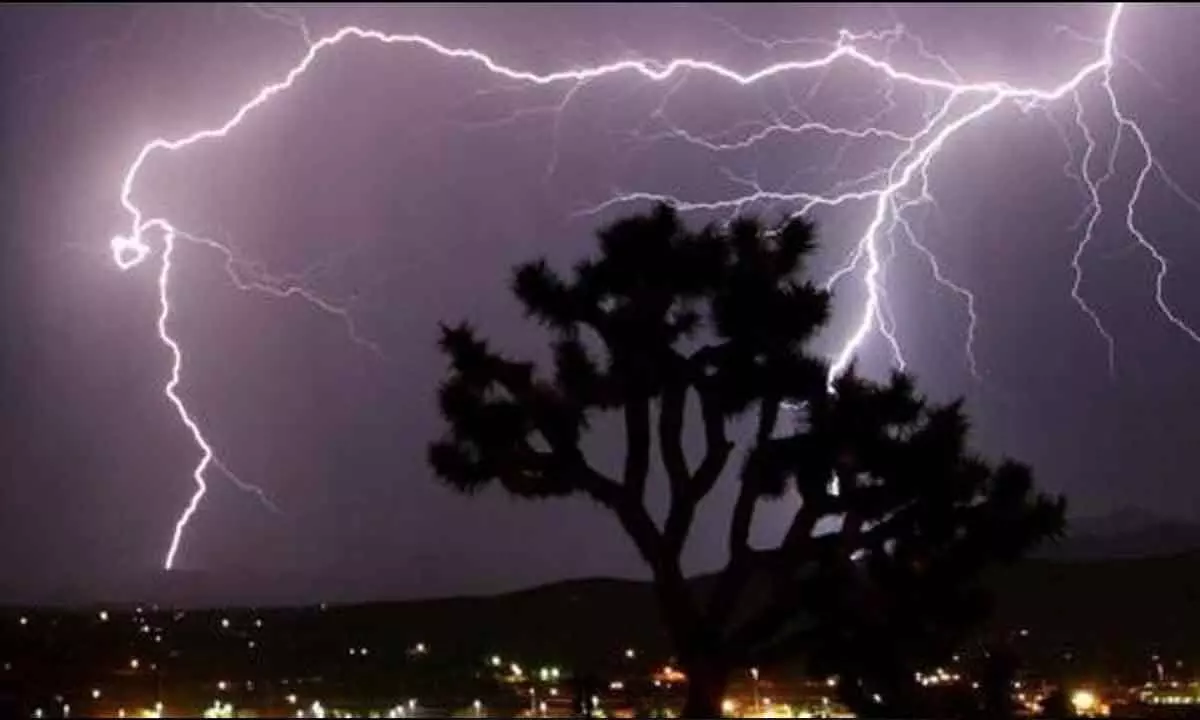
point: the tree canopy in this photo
(725, 314)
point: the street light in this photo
(754, 674)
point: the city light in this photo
(759, 693)
(1084, 702)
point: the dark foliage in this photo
(723, 314)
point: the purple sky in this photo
(388, 169)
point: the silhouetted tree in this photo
(721, 315)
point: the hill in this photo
(1125, 533)
(1109, 615)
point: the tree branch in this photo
(600, 487)
(789, 592)
(688, 488)
(670, 434)
(733, 581)
(637, 446)
(717, 445)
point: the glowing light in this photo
(892, 192)
(1084, 701)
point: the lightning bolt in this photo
(893, 192)
(917, 151)
(250, 277)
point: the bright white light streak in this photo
(889, 191)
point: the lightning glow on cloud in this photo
(892, 191)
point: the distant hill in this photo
(1112, 607)
(1111, 613)
(240, 587)
(1125, 533)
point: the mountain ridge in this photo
(1125, 534)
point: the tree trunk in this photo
(699, 652)
(706, 685)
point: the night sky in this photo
(405, 185)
